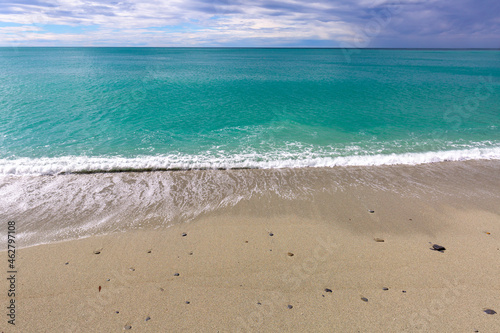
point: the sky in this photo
(252, 23)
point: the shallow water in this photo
(55, 208)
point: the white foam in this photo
(277, 159)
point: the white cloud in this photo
(227, 22)
(134, 20)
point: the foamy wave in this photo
(79, 164)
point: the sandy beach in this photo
(339, 250)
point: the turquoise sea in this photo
(112, 109)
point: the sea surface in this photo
(76, 123)
(101, 109)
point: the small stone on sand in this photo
(184, 234)
(117, 311)
(490, 311)
(271, 234)
(97, 252)
(378, 240)
(187, 302)
(149, 251)
(371, 211)
(290, 306)
(67, 263)
(385, 288)
(148, 318)
(127, 327)
(328, 290)
(176, 274)
(364, 299)
(290, 254)
(132, 269)
(404, 291)
(439, 248)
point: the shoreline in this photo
(67, 165)
(87, 205)
(241, 265)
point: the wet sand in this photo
(355, 258)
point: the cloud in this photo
(261, 22)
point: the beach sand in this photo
(309, 263)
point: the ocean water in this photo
(65, 110)
(71, 118)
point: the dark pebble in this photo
(176, 274)
(148, 318)
(187, 302)
(436, 247)
(328, 290)
(371, 211)
(290, 254)
(271, 234)
(108, 280)
(385, 288)
(490, 311)
(378, 240)
(290, 306)
(184, 234)
(190, 253)
(149, 251)
(404, 291)
(132, 269)
(128, 327)
(117, 311)
(259, 303)
(67, 263)
(97, 252)
(364, 299)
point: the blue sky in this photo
(268, 23)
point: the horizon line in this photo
(264, 47)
